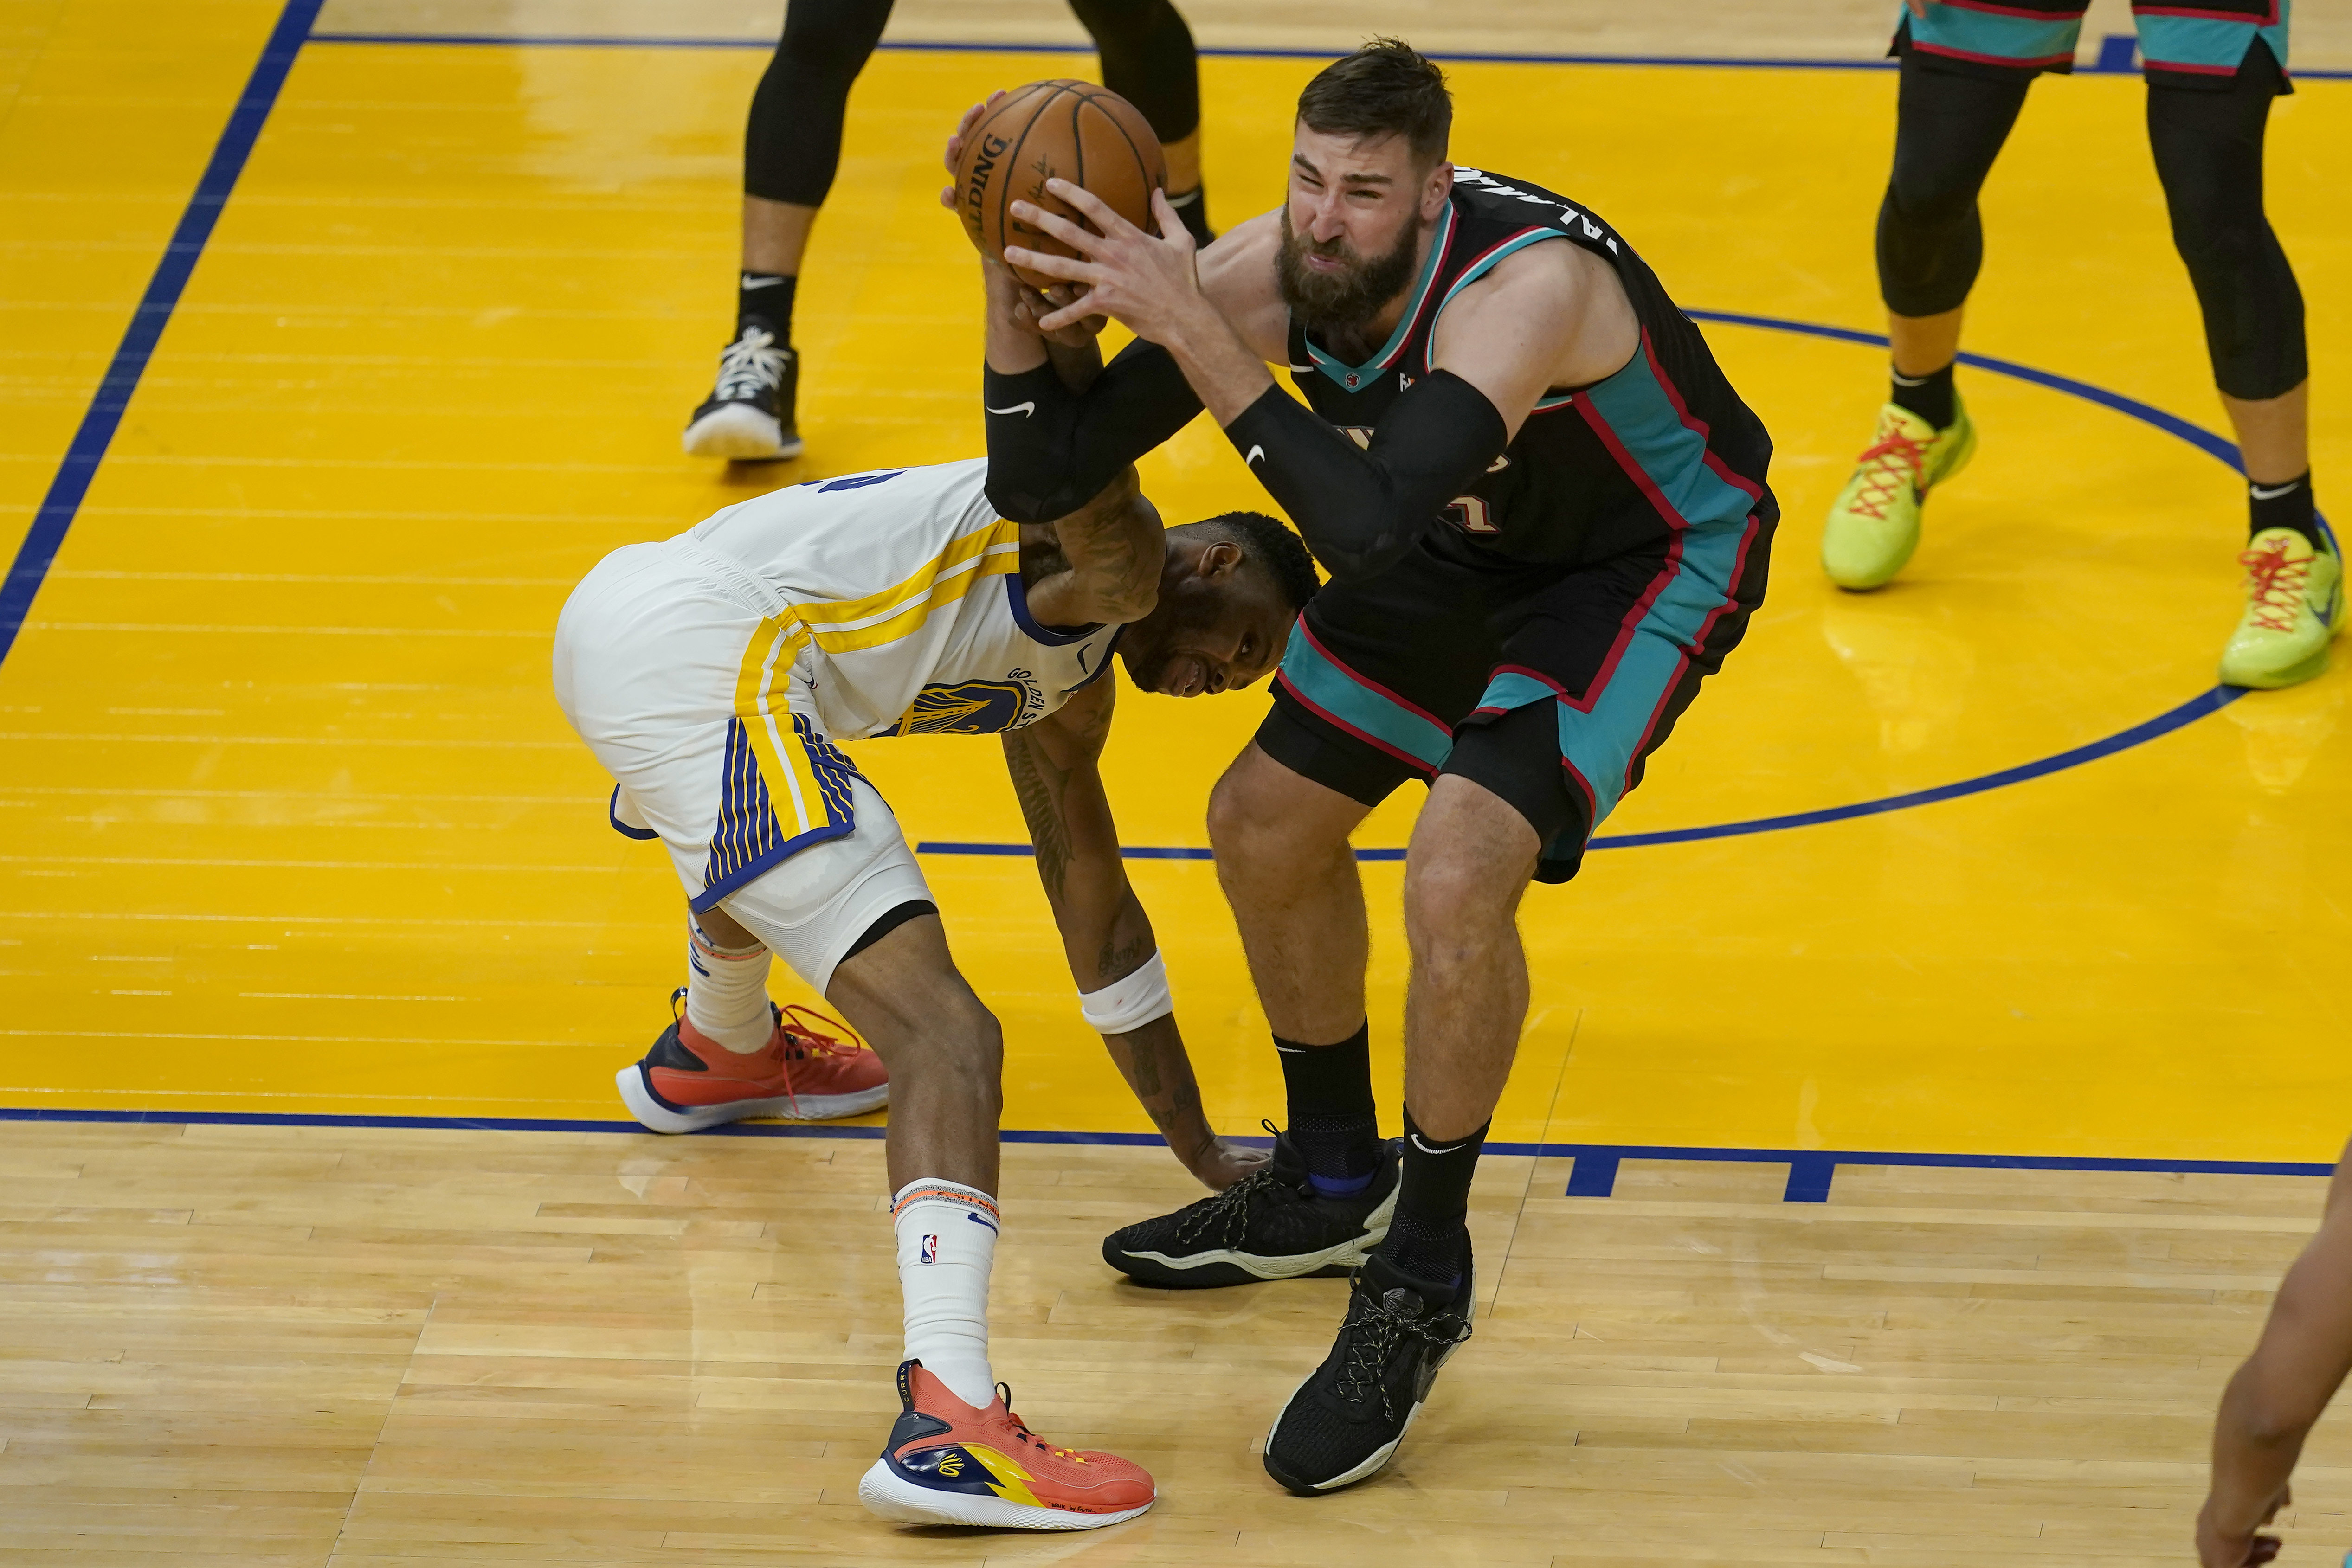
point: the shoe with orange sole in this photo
(689, 1082)
(947, 1463)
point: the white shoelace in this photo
(749, 366)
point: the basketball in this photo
(1071, 130)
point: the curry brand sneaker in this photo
(2295, 604)
(947, 1463)
(1874, 524)
(1344, 1423)
(1270, 1225)
(749, 414)
(687, 1083)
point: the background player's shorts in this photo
(2203, 43)
(760, 812)
(1547, 684)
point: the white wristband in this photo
(1131, 1003)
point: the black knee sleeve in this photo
(1949, 129)
(793, 144)
(2208, 153)
(1147, 60)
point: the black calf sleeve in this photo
(792, 145)
(1147, 60)
(2208, 153)
(1949, 128)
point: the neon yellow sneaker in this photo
(1874, 524)
(2295, 604)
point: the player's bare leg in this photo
(1288, 870)
(944, 1050)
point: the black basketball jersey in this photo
(1662, 444)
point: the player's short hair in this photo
(1385, 88)
(1282, 553)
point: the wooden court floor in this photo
(290, 832)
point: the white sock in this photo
(726, 992)
(947, 1239)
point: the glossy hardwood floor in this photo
(241, 1346)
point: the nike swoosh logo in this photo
(1024, 409)
(750, 282)
(2260, 494)
(1448, 1149)
(1256, 455)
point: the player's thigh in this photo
(815, 906)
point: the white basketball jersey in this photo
(903, 609)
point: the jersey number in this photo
(1469, 514)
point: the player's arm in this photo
(2272, 1403)
(1114, 956)
(1116, 548)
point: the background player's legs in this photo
(1147, 60)
(2208, 153)
(1949, 128)
(791, 148)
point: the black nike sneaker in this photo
(1270, 1225)
(749, 414)
(1344, 1423)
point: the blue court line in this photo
(104, 416)
(2104, 65)
(1811, 1171)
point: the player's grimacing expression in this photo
(1352, 223)
(1220, 625)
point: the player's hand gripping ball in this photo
(1006, 150)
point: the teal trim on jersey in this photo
(1355, 377)
(1510, 690)
(1488, 263)
(1636, 417)
(1339, 696)
(1995, 39)
(2208, 43)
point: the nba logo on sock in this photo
(930, 1249)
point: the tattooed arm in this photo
(1112, 551)
(1105, 931)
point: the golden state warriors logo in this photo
(968, 707)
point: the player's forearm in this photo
(1156, 1068)
(1219, 367)
(2255, 1446)
(1361, 509)
(1051, 449)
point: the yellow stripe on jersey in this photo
(784, 755)
(854, 625)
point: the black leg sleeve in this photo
(2208, 153)
(1949, 129)
(1147, 60)
(793, 144)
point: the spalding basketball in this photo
(1072, 131)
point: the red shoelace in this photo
(2275, 584)
(1880, 478)
(804, 1039)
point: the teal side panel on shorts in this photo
(1994, 39)
(2206, 45)
(1363, 710)
(1511, 690)
(1640, 421)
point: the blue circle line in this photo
(2206, 701)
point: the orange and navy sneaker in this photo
(947, 1463)
(687, 1083)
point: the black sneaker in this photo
(1344, 1423)
(748, 416)
(1270, 1225)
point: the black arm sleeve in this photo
(1358, 509)
(1051, 449)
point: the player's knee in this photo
(1456, 906)
(825, 41)
(1247, 825)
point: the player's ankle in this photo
(1334, 1122)
(2286, 504)
(1931, 396)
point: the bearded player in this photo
(712, 673)
(1544, 512)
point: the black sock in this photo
(1192, 206)
(1430, 1237)
(765, 299)
(1334, 1124)
(1928, 396)
(2287, 506)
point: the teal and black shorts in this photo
(2201, 44)
(1547, 685)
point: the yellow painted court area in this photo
(290, 823)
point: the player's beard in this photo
(1343, 300)
(1148, 665)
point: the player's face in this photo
(1351, 225)
(1215, 630)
